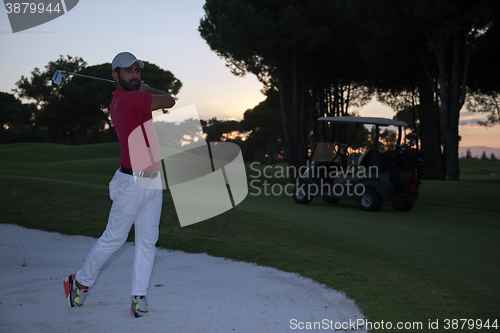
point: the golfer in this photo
(131, 107)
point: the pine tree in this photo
(468, 155)
(484, 157)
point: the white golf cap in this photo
(125, 59)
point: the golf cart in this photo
(390, 176)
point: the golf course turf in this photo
(439, 261)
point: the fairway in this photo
(438, 261)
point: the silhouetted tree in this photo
(265, 141)
(79, 107)
(442, 34)
(51, 113)
(302, 49)
(484, 157)
(15, 119)
(218, 130)
(468, 155)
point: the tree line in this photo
(484, 157)
(74, 112)
(324, 56)
(260, 139)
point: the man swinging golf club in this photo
(131, 107)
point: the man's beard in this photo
(131, 85)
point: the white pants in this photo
(136, 205)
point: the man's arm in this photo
(161, 99)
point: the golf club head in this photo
(57, 77)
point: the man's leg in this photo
(115, 235)
(119, 223)
(146, 236)
(123, 214)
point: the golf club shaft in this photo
(87, 77)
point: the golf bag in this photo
(412, 164)
(404, 172)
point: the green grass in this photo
(90, 164)
(438, 261)
(472, 169)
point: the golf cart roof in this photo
(364, 120)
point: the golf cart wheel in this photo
(301, 194)
(370, 200)
(403, 205)
(329, 200)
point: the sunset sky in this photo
(164, 32)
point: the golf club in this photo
(57, 77)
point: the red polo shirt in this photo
(129, 110)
